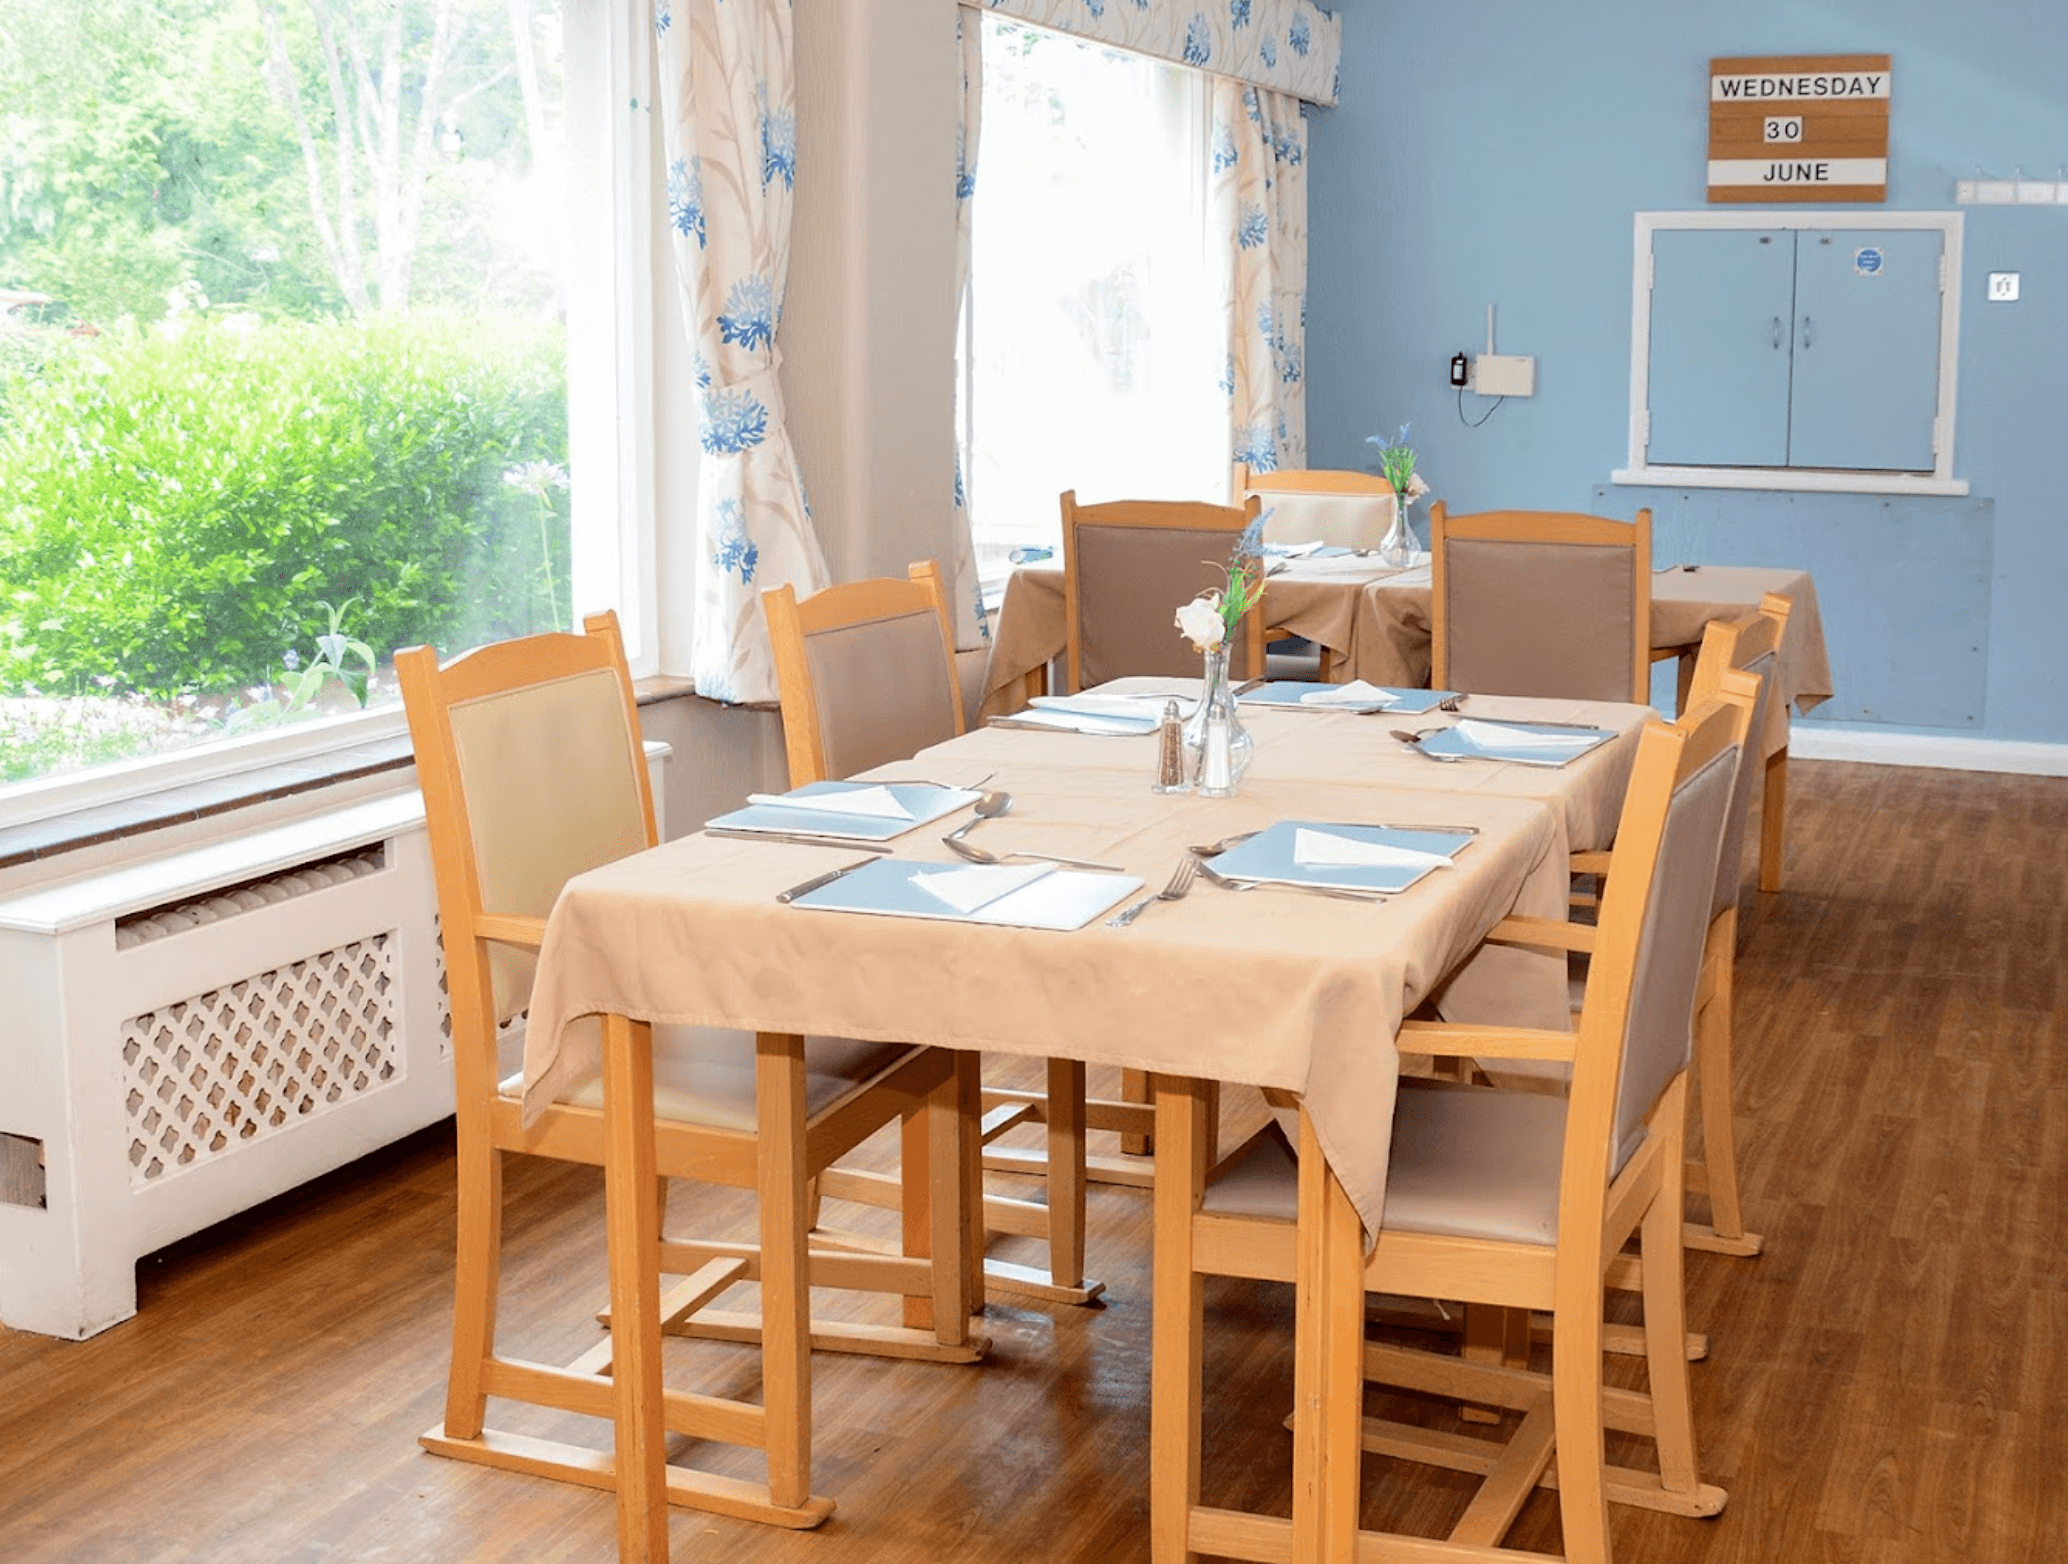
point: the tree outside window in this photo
(282, 357)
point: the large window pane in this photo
(1094, 349)
(282, 358)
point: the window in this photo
(1095, 342)
(271, 408)
(1806, 351)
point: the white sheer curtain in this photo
(1096, 338)
(729, 124)
(1260, 211)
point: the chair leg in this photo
(1177, 1321)
(1134, 1087)
(1773, 821)
(477, 1276)
(1714, 1024)
(1576, 1370)
(785, 1290)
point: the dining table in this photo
(1374, 619)
(1272, 987)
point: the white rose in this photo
(1200, 619)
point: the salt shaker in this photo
(1170, 753)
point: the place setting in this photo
(1358, 697)
(1550, 744)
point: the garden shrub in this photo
(176, 503)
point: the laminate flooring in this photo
(1888, 1383)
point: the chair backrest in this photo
(1541, 603)
(532, 769)
(865, 671)
(1128, 565)
(1637, 1020)
(1749, 646)
(1320, 505)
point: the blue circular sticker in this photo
(1867, 260)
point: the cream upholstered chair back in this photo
(866, 672)
(1128, 565)
(1320, 505)
(547, 777)
(1541, 603)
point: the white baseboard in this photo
(1808, 742)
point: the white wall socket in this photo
(1504, 374)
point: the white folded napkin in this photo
(873, 803)
(1490, 735)
(1358, 692)
(1324, 849)
(980, 884)
(1143, 705)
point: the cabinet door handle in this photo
(1777, 335)
(1808, 331)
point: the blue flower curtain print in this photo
(729, 121)
(1287, 46)
(1259, 196)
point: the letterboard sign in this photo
(1799, 128)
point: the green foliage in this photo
(177, 506)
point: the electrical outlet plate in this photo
(1504, 374)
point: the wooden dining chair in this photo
(866, 673)
(529, 756)
(1318, 505)
(1510, 1198)
(1739, 657)
(1127, 567)
(1541, 603)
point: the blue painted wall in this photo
(1495, 151)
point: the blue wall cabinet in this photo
(1795, 348)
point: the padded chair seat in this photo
(1472, 1163)
(705, 1075)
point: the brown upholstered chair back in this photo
(1127, 567)
(866, 672)
(1541, 603)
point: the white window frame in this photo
(1817, 480)
(611, 436)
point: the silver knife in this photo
(798, 840)
(818, 880)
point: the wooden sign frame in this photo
(1799, 127)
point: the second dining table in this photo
(1274, 989)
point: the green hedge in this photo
(174, 505)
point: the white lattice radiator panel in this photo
(199, 1032)
(213, 1073)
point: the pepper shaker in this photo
(1170, 753)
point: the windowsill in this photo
(39, 840)
(261, 782)
(1801, 480)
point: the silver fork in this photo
(1180, 882)
(1451, 703)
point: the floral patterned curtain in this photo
(729, 122)
(1290, 46)
(972, 623)
(1259, 196)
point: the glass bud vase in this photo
(1397, 547)
(1217, 746)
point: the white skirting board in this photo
(1807, 741)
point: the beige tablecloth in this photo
(1270, 988)
(1377, 622)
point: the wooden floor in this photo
(1889, 1382)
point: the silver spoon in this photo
(988, 807)
(976, 854)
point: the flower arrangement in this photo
(1210, 618)
(1397, 467)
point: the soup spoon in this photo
(988, 807)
